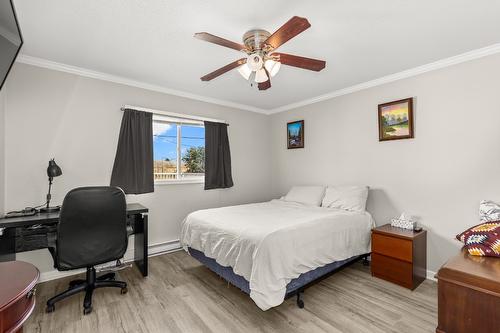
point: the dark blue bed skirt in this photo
(239, 281)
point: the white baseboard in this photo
(165, 247)
(153, 249)
(431, 275)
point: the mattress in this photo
(269, 244)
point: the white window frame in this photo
(187, 119)
(179, 123)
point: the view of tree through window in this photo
(178, 150)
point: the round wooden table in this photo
(17, 294)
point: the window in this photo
(178, 149)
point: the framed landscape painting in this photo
(395, 120)
(295, 134)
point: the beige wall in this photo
(77, 120)
(441, 175)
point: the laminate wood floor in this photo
(181, 295)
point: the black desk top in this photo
(49, 218)
(136, 208)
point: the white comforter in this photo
(271, 243)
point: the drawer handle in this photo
(31, 293)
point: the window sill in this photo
(179, 181)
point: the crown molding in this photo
(443, 63)
(39, 62)
(455, 60)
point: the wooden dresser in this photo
(469, 295)
(399, 255)
(17, 294)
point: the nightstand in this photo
(399, 255)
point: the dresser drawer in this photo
(393, 247)
(394, 270)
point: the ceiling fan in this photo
(261, 62)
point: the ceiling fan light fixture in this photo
(254, 62)
(261, 62)
(245, 71)
(261, 76)
(272, 67)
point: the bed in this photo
(273, 250)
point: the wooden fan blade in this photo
(287, 31)
(224, 69)
(301, 62)
(219, 41)
(265, 85)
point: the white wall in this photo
(77, 121)
(441, 175)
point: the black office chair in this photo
(92, 230)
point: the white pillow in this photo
(351, 198)
(307, 195)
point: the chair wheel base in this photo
(73, 284)
(87, 286)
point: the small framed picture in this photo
(395, 120)
(295, 134)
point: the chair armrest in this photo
(52, 246)
(52, 240)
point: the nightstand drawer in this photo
(392, 247)
(394, 270)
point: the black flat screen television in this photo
(10, 38)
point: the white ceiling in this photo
(152, 41)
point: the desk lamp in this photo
(53, 170)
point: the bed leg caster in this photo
(300, 302)
(365, 261)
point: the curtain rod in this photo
(172, 114)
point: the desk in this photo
(28, 233)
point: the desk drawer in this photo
(28, 239)
(394, 270)
(392, 247)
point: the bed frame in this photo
(296, 287)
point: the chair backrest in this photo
(92, 227)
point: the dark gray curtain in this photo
(133, 168)
(217, 157)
